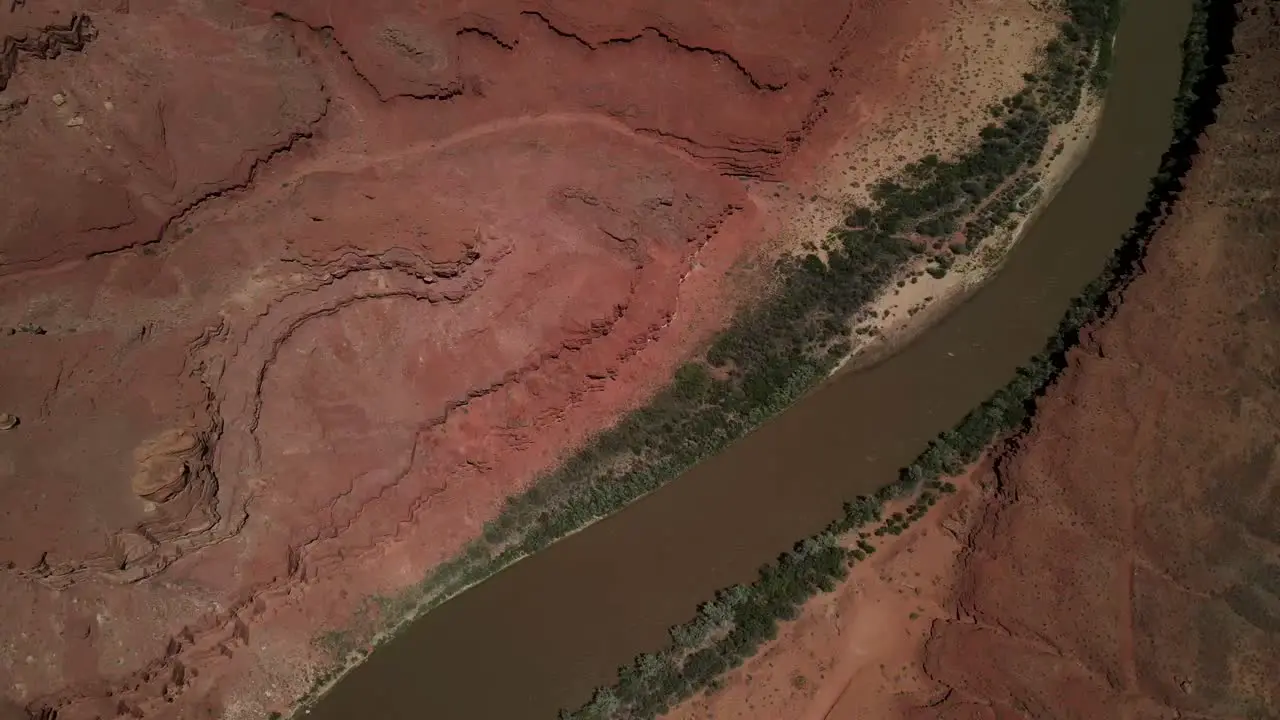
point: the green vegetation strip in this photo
(774, 352)
(731, 627)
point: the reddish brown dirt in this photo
(294, 294)
(1129, 566)
(854, 653)
(1124, 558)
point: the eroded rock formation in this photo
(295, 293)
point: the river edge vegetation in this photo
(732, 626)
(774, 352)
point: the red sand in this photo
(294, 294)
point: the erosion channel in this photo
(540, 635)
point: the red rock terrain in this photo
(1123, 558)
(294, 294)
(1129, 563)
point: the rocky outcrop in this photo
(47, 42)
(164, 465)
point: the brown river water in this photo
(542, 634)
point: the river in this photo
(541, 634)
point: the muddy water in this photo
(542, 634)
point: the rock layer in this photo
(1121, 559)
(294, 294)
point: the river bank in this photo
(692, 443)
(920, 298)
(855, 652)
(1044, 607)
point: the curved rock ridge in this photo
(294, 294)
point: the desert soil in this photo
(1122, 558)
(854, 653)
(294, 294)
